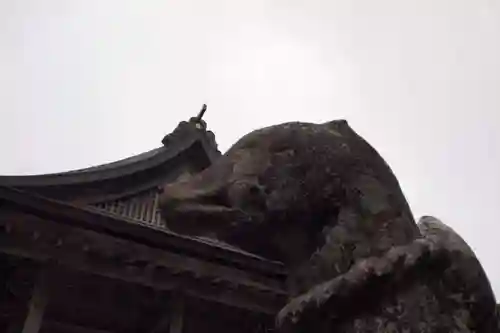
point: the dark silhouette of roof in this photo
(131, 184)
(180, 140)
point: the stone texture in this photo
(434, 284)
(320, 199)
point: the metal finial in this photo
(201, 113)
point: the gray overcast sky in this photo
(83, 82)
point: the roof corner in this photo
(195, 127)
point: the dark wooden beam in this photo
(18, 279)
(163, 325)
(48, 233)
(116, 258)
(172, 321)
(71, 328)
(37, 304)
(101, 222)
(177, 314)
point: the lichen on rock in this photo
(319, 198)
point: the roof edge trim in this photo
(100, 172)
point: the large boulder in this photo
(320, 199)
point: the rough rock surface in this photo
(320, 187)
(320, 199)
(434, 284)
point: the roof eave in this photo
(72, 178)
(90, 219)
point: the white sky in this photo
(83, 82)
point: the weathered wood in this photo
(129, 252)
(17, 284)
(177, 314)
(173, 320)
(89, 219)
(14, 326)
(37, 304)
(163, 325)
(125, 260)
(71, 328)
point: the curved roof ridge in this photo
(174, 143)
(117, 163)
(100, 172)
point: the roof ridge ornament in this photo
(198, 122)
(201, 113)
(184, 128)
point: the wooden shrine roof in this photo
(179, 142)
(104, 221)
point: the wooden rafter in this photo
(37, 303)
(125, 260)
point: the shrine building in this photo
(87, 251)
